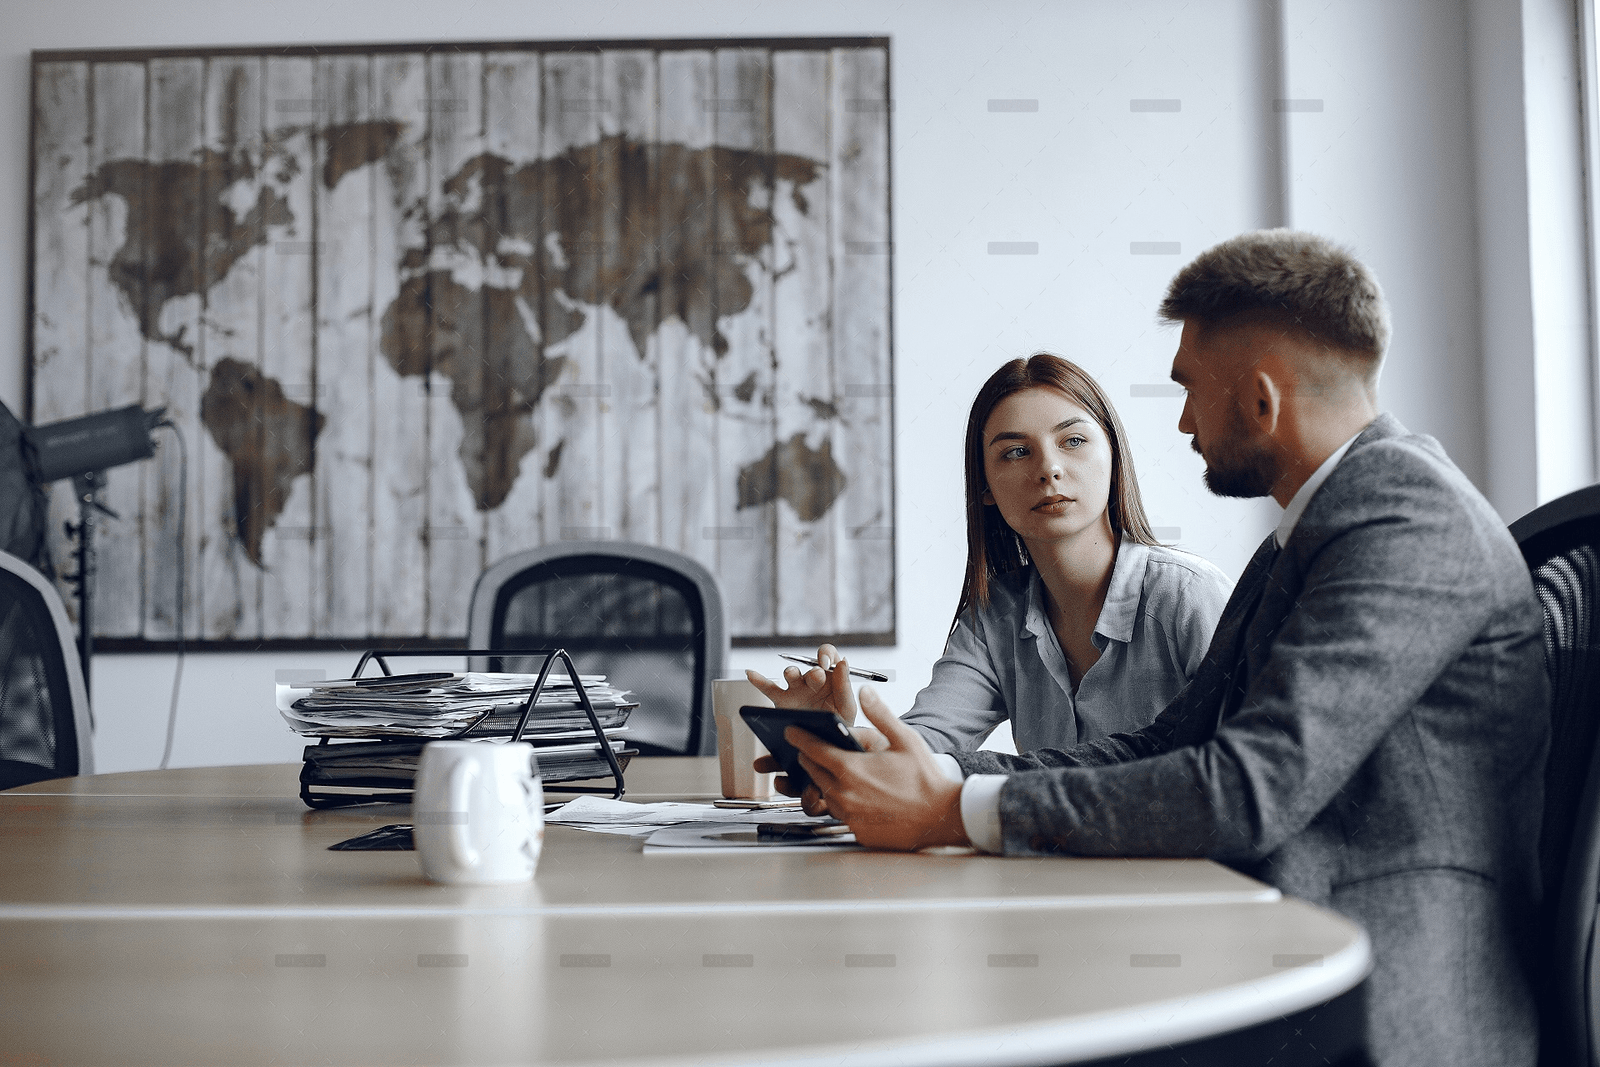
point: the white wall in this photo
(1533, 252)
(1385, 163)
(1084, 176)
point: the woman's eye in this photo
(1074, 441)
(1014, 453)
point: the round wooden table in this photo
(198, 917)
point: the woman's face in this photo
(1048, 466)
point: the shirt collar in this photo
(1121, 608)
(1297, 503)
(1034, 619)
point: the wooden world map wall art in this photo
(418, 307)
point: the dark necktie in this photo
(1229, 641)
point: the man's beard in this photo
(1238, 466)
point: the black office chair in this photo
(44, 707)
(1561, 542)
(648, 618)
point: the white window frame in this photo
(1589, 107)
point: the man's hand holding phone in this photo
(792, 779)
(891, 791)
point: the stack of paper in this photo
(385, 763)
(383, 724)
(446, 706)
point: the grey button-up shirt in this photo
(1004, 662)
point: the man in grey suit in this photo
(1368, 730)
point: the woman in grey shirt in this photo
(1074, 623)
(1005, 661)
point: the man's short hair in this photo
(1284, 277)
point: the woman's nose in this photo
(1051, 472)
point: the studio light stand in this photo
(83, 449)
(86, 487)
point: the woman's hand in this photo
(893, 796)
(825, 687)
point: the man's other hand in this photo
(893, 796)
(811, 800)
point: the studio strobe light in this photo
(83, 449)
(98, 442)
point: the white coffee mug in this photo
(737, 747)
(477, 813)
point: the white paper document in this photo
(675, 826)
(606, 816)
(728, 838)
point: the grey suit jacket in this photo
(1370, 736)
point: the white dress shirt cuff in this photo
(980, 811)
(980, 804)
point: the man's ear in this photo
(1265, 399)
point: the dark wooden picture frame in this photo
(416, 307)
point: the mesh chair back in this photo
(1561, 542)
(648, 619)
(44, 730)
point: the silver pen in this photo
(872, 676)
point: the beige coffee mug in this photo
(737, 747)
(477, 813)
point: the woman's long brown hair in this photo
(993, 548)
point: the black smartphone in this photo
(768, 724)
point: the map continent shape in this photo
(682, 220)
(654, 230)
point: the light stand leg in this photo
(85, 590)
(87, 489)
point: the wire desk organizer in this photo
(311, 777)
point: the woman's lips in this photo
(1054, 504)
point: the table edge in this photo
(1083, 1039)
(23, 912)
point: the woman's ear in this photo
(987, 498)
